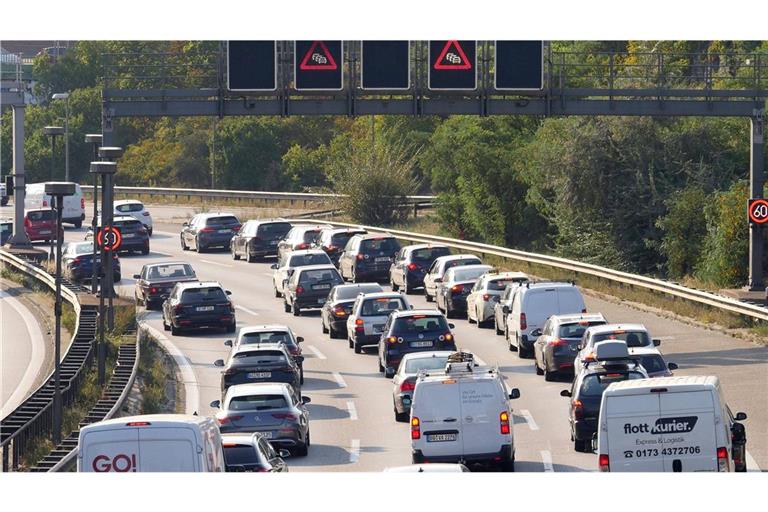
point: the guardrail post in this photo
(756, 184)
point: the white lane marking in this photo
(191, 389)
(662, 338)
(250, 312)
(480, 361)
(339, 380)
(315, 351)
(751, 463)
(529, 419)
(354, 451)
(546, 459)
(36, 355)
(162, 253)
(216, 263)
(352, 411)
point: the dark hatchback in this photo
(338, 307)
(197, 305)
(411, 265)
(368, 257)
(333, 240)
(258, 238)
(309, 287)
(249, 364)
(77, 261)
(133, 233)
(207, 230)
(413, 331)
(252, 453)
(156, 280)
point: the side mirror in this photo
(284, 454)
(136, 276)
(273, 266)
(299, 359)
(228, 292)
(451, 326)
(505, 309)
(740, 416)
(219, 363)
(305, 400)
(228, 343)
(411, 306)
(185, 224)
(672, 366)
(438, 280)
(216, 404)
(536, 332)
(514, 394)
(656, 343)
(565, 392)
(299, 339)
(389, 372)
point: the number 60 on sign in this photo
(758, 211)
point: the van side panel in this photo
(103, 451)
(630, 445)
(688, 425)
(481, 405)
(174, 449)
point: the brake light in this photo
(415, 428)
(448, 336)
(27, 222)
(412, 266)
(207, 230)
(45, 203)
(145, 213)
(284, 416)
(178, 308)
(224, 420)
(457, 288)
(299, 289)
(722, 459)
(82, 203)
(605, 465)
(504, 422)
(584, 310)
(578, 409)
(359, 325)
(137, 424)
(486, 297)
(589, 357)
(339, 311)
(523, 323)
(392, 339)
(236, 228)
(302, 246)
(556, 342)
(76, 261)
(153, 290)
(359, 257)
(407, 385)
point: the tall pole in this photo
(66, 139)
(95, 140)
(19, 235)
(756, 185)
(107, 209)
(53, 156)
(102, 354)
(57, 409)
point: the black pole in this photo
(94, 226)
(756, 185)
(53, 158)
(107, 208)
(102, 347)
(57, 408)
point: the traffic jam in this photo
(623, 401)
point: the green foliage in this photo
(684, 228)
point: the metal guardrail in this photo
(699, 296)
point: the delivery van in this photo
(74, 206)
(669, 424)
(151, 443)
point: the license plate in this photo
(435, 438)
(378, 327)
(224, 230)
(273, 242)
(382, 260)
(321, 287)
(45, 231)
(266, 435)
(321, 301)
(204, 308)
(259, 375)
(421, 343)
(129, 235)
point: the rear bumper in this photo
(134, 244)
(585, 429)
(414, 280)
(215, 241)
(558, 363)
(504, 454)
(339, 325)
(377, 273)
(366, 340)
(185, 322)
(458, 304)
(309, 303)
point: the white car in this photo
(135, 209)
(438, 268)
(369, 315)
(634, 335)
(288, 262)
(486, 292)
(428, 468)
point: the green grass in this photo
(154, 375)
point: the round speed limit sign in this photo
(758, 211)
(109, 238)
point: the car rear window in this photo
(304, 260)
(320, 276)
(425, 363)
(341, 239)
(273, 230)
(353, 291)
(379, 245)
(468, 274)
(311, 235)
(576, 330)
(266, 337)
(213, 293)
(84, 248)
(241, 454)
(651, 362)
(461, 263)
(133, 207)
(500, 284)
(257, 402)
(429, 254)
(420, 323)
(39, 215)
(633, 338)
(382, 306)
(594, 384)
(128, 225)
(261, 357)
(223, 221)
(176, 270)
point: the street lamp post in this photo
(58, 190)
(53, 132)
(95, 140)
(65, 96)
(108, 154)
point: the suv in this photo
(207, 230)
(260, 334)
(262, 362)
(290, 261)
(369, 315)
(558, 342)
(135, 209)
(338, 307)
(258, 238)
(333, 241)
(308, 288)
(253, 453)
(133, 233)
(435, 273)
(453, 290)
(411, 265)
(154, 283)
(612, 365)
(299, 237)
(410, 331)
(198, 304)
(634, 335)
(368, 257)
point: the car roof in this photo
(263, 328)
(470, 267)
(613, 367)
(678, 383)
(128, 201)
(26, 210)
(241, 438)
(269, 388)
(381, 295)
(299, 227)
(304, 252)
(370, 236)
(357, 285)
(608, 328)
(503, 275)
(427, 355)
(587, 317)
(123, 218)
(548, 284)
(255, 347)
(199, 284)
(218, 214)
(451, 257)
(164, 263)
(269, 221)
(644, 351)
(411, 312)
(416, 247)
(324, 266)
(345, 230)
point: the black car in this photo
(338, 307)
(368, 258)
(207, 230)
(77, 262)
(413, 331)
(260, 334)
(258, 238)
(252, 453)
(411, 265)
(195, 305)
(334, 240)
(268, 362)
(6, 231)
(308, 288)
(134, 234)
(156, 280)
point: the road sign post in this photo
(756, 185)
(252, 66)
(452, 65)
(318, 65)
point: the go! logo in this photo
(120, 463)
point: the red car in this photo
(40, 224)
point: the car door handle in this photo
(449, 420)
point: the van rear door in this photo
(687, 428)
(115, 449)
(168, 449)
(631, 446)
(569, 301)
(481, 406)
(438, 410)
(540, 304)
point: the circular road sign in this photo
(109, 238)
(758, 211)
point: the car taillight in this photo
(391, 339)
(605, 465)
(153, 290)
(359, 325)
(339, 311)
(178, 308)
(284, 416)
(578, 409)
(589, 358)
(142, 231)
(138, 424)
(207, 230)
(504, 422)
(299, 289)
(415, 428)
(236, 228)
(486, 297)
(407, 385)
(412, 266)
(229, 371)
(76, 261)
(360, 257)
(82, 203)
(225, 420)
(556, 342)
(27, 222)
(457, 288)
(722, 459)
(331, 247)
(302, 246)
(446, 337)
(523, 323)
(145, 213)
(584, 310)
(45, 203)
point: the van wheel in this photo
(580, 445)
(512, 348)
(539, 371)
(427, 296)
(145, 251)
(469, 319)
(248, 257)
(296, 310)
(359, 350)
(381, 368)
(417, 458)
(286, 307)
(508, 465)
(235, 256)
(165, 325)
(349, 340)
(175, 330)
(499, 332)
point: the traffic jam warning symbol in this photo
(109, 238)
(318, 58)
(318, 65)
(452, 57)
(452, 65)
(758, 211)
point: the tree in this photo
(684, 227)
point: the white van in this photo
(154, 442)
(74, 206)
(462, 415)
(532, 305)
(670, 424)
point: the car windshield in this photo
(260, 357)
(341, 239)
(576, 330)
(240, 454)
(594, 384)
(224, 221)
(6, 227)
(257, 402)
(425, 363)
(633, 338)
(351, 292)
(266, 337)
(131, 207)
(39, 215)
(468, 274)
(304, 260)
(212, 293)
(379, 245)
(84, 248)
(171, 271)
(273, 230)
(420, 323)
(499, 284)
(429, 254)
(382, 306)
(653, 363)
(320, 276)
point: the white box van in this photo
(669, 424)
(532, 305)
(462, 415)
(154, 442)
(74, 206)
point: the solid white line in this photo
(317, 353)
(354, 451)
(751, 463)
(479, 361)
(339, 380)
(546, 459)
(162, 253)
(663, 338)
(216, 263)
(529, 419)
(241, 308)
(36, 356)
(352, 411)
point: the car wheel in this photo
(197, 246)
(499, 332)
(539, 371)
(183, 244)
(378, 360)
(469, 318)
(165, 325)
(145, 251)
(149, 231)
(548, 375)
(393, 285)
(580, 445)
(349, 340)
(277, 293)
(301, 376)
(405, 288)
(235, 256)
(286, 306)
(508, 465)
(512, 348)
(325, 329)
(359, 350)
(232, 327)
(522, 352)
(175, 330)
(248, 257)
(303, 450)
(117, 278)
(427, 296)
(78, 224)
(401, 417)
(296, 310)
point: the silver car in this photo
(404, 381)
(290, 261)
(485, 294)
(369, 315)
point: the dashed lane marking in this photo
(315, 351)
(216, 263)
(354, 451)
(352, 411)
(339, 380)
(529, 419)
(751, 463)
(546, 459)
(250, 312)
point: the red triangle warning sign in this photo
(452, 57)
(318, 59)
